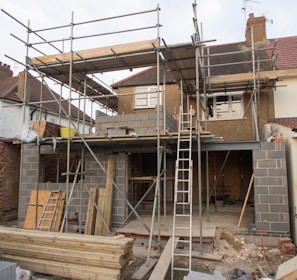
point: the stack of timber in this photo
(67, 255)
(100, 223)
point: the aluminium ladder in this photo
(48, 218)
(182, 212)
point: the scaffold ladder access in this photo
(49, 215)
(182, 213)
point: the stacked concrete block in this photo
(140, 124)
(271, 190)
(30, 177)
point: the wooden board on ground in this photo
(162, 266)
(144, 270)
(198, 255)
(43, 196)
(287, 270)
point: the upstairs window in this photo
(225, 106)
(147, 97)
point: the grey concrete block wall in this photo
(29, 177)
(142, 123)
(271, 190)
(30, 182)
(97, 179)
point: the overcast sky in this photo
(221, 20)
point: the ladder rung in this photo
(184, 241)
(183, 215)
(183, 180)
(181, 268)
(181, 255)
(179, 227)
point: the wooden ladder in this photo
(49, 215)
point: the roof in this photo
(288, 122)
(38, 93)
(221, 60)
(145, 77)
(286, 51)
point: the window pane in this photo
(225, 106)
(141, 100)
(236, 106)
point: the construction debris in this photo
(286, 247)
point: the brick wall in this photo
(271, 190)
(9, 180)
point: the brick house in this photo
(45, 119)
(236, 104)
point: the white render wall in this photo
(11, 121)
(285, 95)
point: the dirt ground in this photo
(238, 257)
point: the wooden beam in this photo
(91, 212)
(105, 201)
(241, 77)
(245, 200)
(144, 270)
(84, 55)
(162, 266)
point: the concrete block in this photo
(7, 270)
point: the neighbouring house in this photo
(232, 101)
(19, 120)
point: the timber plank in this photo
(78, 272)
(144, 270)
(30, 219)
(108, 51)
(63, 255)
(91, 212)
(43, 196)
(105, 201)
(67, 255)
(161, 268)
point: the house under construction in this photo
(154, 148)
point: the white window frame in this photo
(227, 108)
(146, 97)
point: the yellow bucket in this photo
(64, 132)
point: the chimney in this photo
(259, 30)
(5, 71)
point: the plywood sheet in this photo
(31, 215)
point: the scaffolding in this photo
(189, 64)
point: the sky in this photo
(220, 21)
